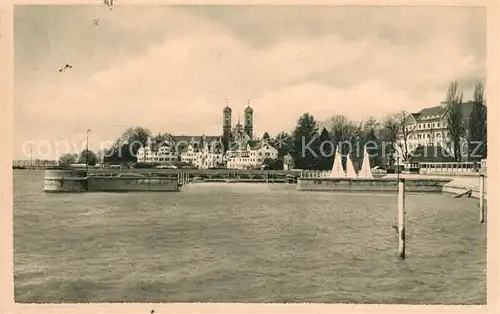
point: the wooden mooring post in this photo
(401, 218)
(481, 198)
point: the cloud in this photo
(178, 79)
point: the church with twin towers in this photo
(239, 133)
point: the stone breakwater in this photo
(74, 181)
(461, 185)
(456, 185)
(369, 185)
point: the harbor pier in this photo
(81, 181)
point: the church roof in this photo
(187, 140)
(255, 145)
(227, 109)
(238, 124)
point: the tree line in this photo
(313, 148)
(85, 156)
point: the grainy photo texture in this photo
(249, 154)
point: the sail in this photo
(366, 171)
(350, 173)
(337, 170)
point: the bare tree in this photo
(100, 155)
(389, 136)
(454, 119)
(357, 140)
(390, 128)
(339, 128)
(67, 159)
(343, 131)
(405, 127)
(477, 126)
(371, 124)
(372, 136)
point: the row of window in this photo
(245, 160)
(157, 154)
(428, 125)
(423, 136)
(192, 156)
(464, 165)
(158, 159)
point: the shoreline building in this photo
(428, 128)
(34, 163)
(169, 148)
(210, 156)
(252, 156)
(157, 152)
(205, 152)
(236, 148)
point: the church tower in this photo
(226, 125)
(249, 120)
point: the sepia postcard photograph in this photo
(247, 153)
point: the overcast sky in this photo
(170, 69)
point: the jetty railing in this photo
(314, 174)
(188, 175)
(451, 167)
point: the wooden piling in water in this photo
(481, 198)
(401, 218)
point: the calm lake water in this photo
(243, 243)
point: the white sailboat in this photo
(337, 169)
(366, 170)
(350, 172)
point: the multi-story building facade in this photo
(157, 154)
(189, 155)
(251, 156)
(176, 148)
(429, 127)
(208, 151)
(209, 157)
